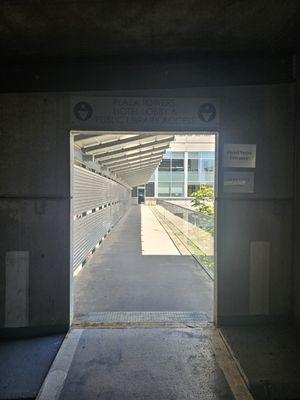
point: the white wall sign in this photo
(143, 113)
(238, 182)
(239, 155)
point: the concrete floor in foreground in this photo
(138, 268)
(136, 364)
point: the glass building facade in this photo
(181, 173)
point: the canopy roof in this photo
(131, 156)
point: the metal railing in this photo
(202, 221)
(195, 230)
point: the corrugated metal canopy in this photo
(132, 156)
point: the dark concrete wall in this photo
(35, 196)
(136, 72)
(263, 115)
(34, 200)
(297, 202)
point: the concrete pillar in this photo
(156, 183)
(296, 270)
(186, 155)
(249, 223)
(35, 211)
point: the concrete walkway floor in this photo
(157, 343)
(139, 364)
(138, 268)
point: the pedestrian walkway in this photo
(155, 240)
(147, 309)
(138, 364)
(138, 268)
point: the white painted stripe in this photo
(77, 270)
(58, 372)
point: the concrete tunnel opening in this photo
(253, 278)
(141, 248)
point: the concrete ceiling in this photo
(95, 29)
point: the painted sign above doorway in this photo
(144, 113)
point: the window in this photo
(178, 176)
(168, 154)
(192, 189)
(193, 176)
(207, 165)
(193, 165)
(177, 161)
(201, 170)
(134, 192)
(150, 189)
(164, 189)
(193, 155)
(207, 154)
(177, 189)
(164, 176)
(152, 178)
(207, 178)
(177, 154)
(177, 165)
(165, 165)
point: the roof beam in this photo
(136, 169)
(128, 168)
(117, 142)
(135, 155)
(136, 174)
(138, 162)
(83, 136)
(108, 154)
(143, 170)
(132, 159)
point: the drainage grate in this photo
(136, 317)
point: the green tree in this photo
(203, 200)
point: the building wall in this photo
(35, 200)
(35, 207)
(296, 276)
(263, 115)
(187, 164)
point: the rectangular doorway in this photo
(143, 225)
